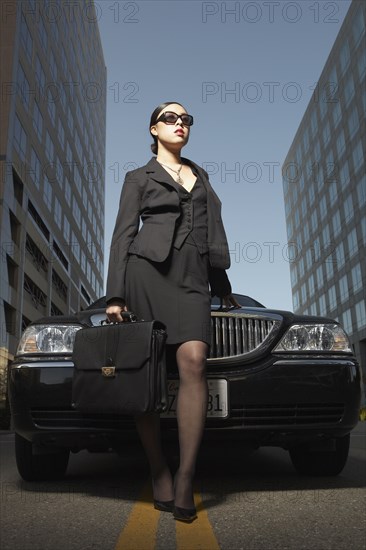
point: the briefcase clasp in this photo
(109, 372)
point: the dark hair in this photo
(154, 116)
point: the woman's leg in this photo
(148, 427)
(191, 415)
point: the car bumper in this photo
(289, 400)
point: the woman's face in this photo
(172, 136)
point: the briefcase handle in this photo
(127, 315)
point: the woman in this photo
(163, 271)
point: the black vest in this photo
(192, 223)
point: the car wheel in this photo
(39, 467)
(321, 463)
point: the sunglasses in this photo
(171, 118)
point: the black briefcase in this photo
(120, 368)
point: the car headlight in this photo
(48, 339)
(314, 337)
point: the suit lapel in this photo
(159, 174)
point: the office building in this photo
(53, 124)
(324, 182)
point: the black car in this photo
(275, 378)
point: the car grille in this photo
(248, 415)
(288, 414)
(235, 334)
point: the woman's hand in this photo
(229, 301)
(114, 311)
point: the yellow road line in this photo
(198, 535)
(140, 530)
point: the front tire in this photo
(47, 466)
(321, 462)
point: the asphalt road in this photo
(245, 501)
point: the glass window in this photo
(61, 133)
(59, 172)
(301, 267)
(361, 65)
(329, 269)
(77, 178)
(68, 154)
(341, 259)
(313, 310)
(326, 235)
(66, 229)
(311, 194)
(357, 156)
(347, 321)
(344, 177)
(47, 193)
(306, 232)
(356, 278)
(319, 277)
(358, 25)
(23, 86)
(293, 275)
(67, 190)
(53, 66)
(40, 76)
(76, 212)
(37, 121)
(26, 38)
(353, 122)
(352, 243)
(58, 212)
(316, 150)
(36, 169)
(341, 143)
(311, 283)
(305, 140)
(361, 191)
(326, 134)
(20, 138)
(349, 90)
(51, 106)
(313, 124)
(363, 229)
(360, 314)
(50, 149)
(322, 305)
(314, 221)
(333, 194)
(332, 297)
(323, 207)
(337, 113)
(42, 33)
(303, 293)
(75, 246)
(348, 209)
(345, 56)
(343, 289)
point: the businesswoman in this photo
(166, 270)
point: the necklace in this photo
(179, 179)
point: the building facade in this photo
(53, 124)
(324, 185)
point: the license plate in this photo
(217, 398)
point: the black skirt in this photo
(175, 292)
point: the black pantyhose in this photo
(191, 415)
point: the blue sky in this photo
(246, 71)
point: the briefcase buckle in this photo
(109, 372)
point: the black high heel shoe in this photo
(184, 514)
(164, 505)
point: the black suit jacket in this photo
(151, 193)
